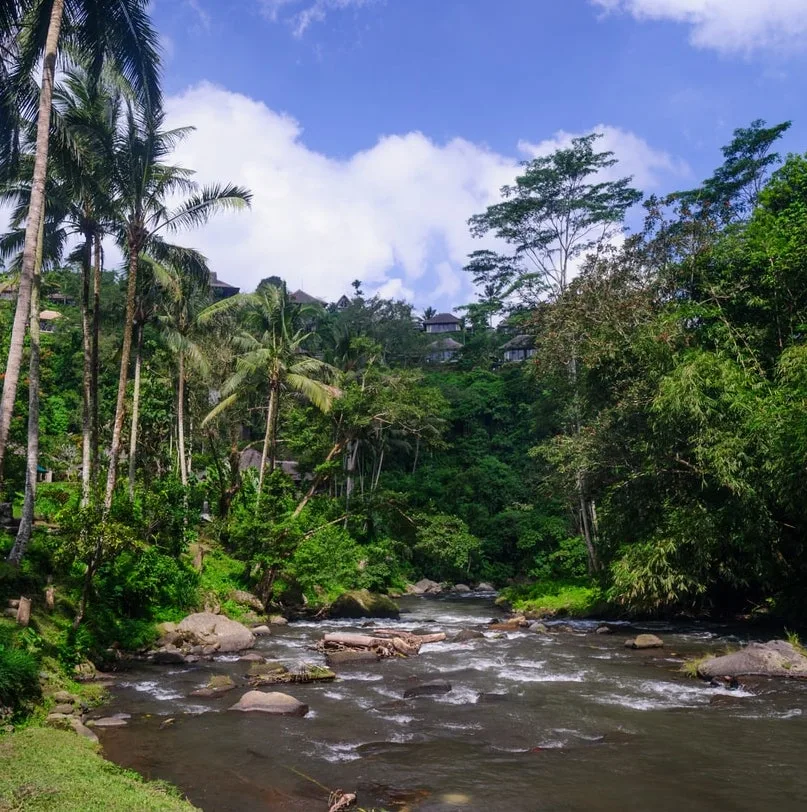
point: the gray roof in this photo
(520, 342)
(443, 318)
(301, 297)
(215, 282)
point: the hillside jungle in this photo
(617, 423)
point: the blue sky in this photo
(370, 130)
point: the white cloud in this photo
(301, 14)
(394, 216)
(389, 215)
(727, 25)
(649, 167)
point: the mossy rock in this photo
(263, 669)
(363, 603)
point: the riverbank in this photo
(57, 771)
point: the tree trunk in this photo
(135, 412)
(95, 442)
(86, 378)
(335, 451)
(36, 210)
(268, 442)
(126, 352)
(183, 463)
(32, 462)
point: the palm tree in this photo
(271, 344)
(185, 301)
(141, 184)
(118, 31)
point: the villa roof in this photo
(49, 315)
(442, 318)
(215, 282)
(301, 297)
(520, 342)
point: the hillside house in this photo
(221, 289)
(519, 349)
(442, 351)
(47, 321)
(443, 323)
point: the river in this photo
(568, 721)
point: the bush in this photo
(568, 598)
(326, 564)
(53, 497)
(445, 548)
(19, 672)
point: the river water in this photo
(566, 721)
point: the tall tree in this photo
(560, 210)
(142, 182)
(118, 31)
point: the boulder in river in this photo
(278, 620)
(461, 589)
(363, 603)
(348, 657)
(261, 631)
(539, 628)
(168, 655)
(436, 688)
(424, 587)
(270, 702)
(216, 685)
(468, 634)
(244, 598)
(777, 658)
(603, 629)
(643, 641)
(207, 629)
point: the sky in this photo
(370, 130)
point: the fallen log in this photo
(421, 638)
(383, 642)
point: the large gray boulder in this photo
(244, 598)
(643, 641)
(424, 587)
(207, 629)
(270, 702)
(362, 603)
(776, 658)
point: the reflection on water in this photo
(567, 721)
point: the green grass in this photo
(795, 641)
(555, 598)
(56, 771)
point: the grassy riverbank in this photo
(578, 598)
(43, 769)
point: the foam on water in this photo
(152, 688)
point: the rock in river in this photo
(428, 689)
(346, 657)
(642, 641)
(363, 603)
(271, 702)
(776, 658)
(468, 634)
(424, 587)
(208, 629)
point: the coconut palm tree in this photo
(185, 300)
(141, 184)
(271, 346)
(117, 31)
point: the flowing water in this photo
(565, 721)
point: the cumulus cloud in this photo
(301, 14)
(726, 25)
(389, 215)
(394, 216)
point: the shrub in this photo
(19, 672)
(326, 562)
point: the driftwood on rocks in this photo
(383, 642)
